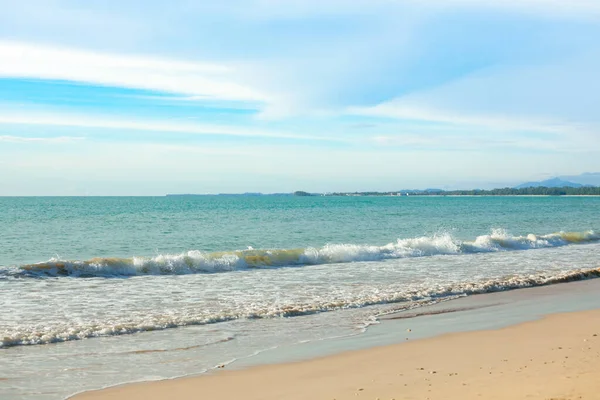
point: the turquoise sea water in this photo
(34, 229)
(178, 285)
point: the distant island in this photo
(304, 194)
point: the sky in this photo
(192, 96)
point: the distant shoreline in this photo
(374, 195)
(380, 195)
(543, 191)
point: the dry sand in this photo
(555, 358)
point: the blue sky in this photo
(149, 97)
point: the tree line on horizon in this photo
(529, 191)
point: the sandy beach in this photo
(556, 358)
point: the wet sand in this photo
(554, 358)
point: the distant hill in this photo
(588, 178)
(574, 181)
(550, 183)
(433, 190)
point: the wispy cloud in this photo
(25, 139)
(398, 110)
(556, 8)
(149, 124)
(202, 80)
(306, 8)
(472, 143)
(557, 98)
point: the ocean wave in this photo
(74, 330)
(192, 262)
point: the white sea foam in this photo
(204, 262)
(75, 330)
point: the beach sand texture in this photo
(555, 358)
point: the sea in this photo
(100, 291)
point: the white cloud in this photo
(277, 9)
(23, 139)
(148, 124)
(206, 80)
(398, 109)
(557, 99)
(560, 8)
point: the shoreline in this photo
(555, 357)
(154, 355)
(513, 317)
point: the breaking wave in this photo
(192, 262)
